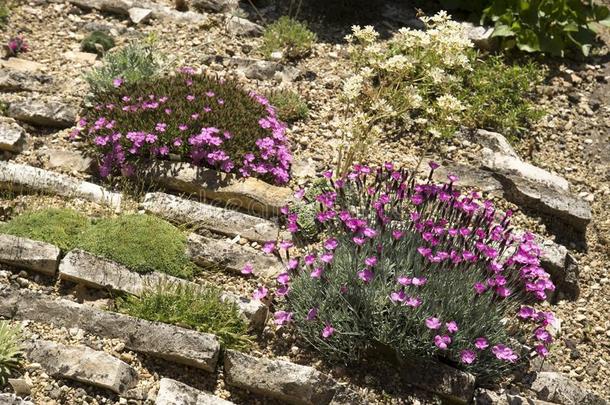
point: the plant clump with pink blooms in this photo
(191, 117)
(419, 268)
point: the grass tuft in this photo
(289, 36)
(97, 42)
(290, 107)
(10, 350)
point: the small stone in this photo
(172, 392)
(139, 15)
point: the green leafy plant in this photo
(136, 61)
(60, 227)
(142, 243)
(4, 12)
(97, 42)
(290, 107)
(551, 27)
(289, 36)
(200, 309)
(10, 350)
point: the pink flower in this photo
(433, 323)
(467, 356)
(433, 165)
(260, 293)
(370, 261)
(117, 82)
(282, 317)
(190, 97)
(283, 278)
(326, 257)
(292, 264)
(481, 343)
(396, 234)
(526, 312)
(327, 331)
(413, 302)
(480, 288)
(369, 232)
(504, 353)
(269, 247)
(442, 341)
(403, 280)
(311, 314)
(286, 244)
(419, 281)
(365, 275)
(452, 326)
(316, 273)
(398, 296)
(310, 259)
(299, 194)
(247, 269)
(283, 290)
(542, 350)
(331, 244)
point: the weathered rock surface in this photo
(22, 80)
(172, 392)
(456, 385)
(215, 219)
(80, 363)
(252, 195)
(12, 136)
(242, 26)
(252, 311)
(169, 342)
(67, 160)
(18, 177)
(81, 57)
(559, 388)
(12, 399)
(22, 65)
(139, 15)
(563, 268)
(215, 6)
(469, 176)
(495, 142)
(231, 256)
(289, 382)
(487, 397)
(46, 113)
(255, 68)
(29, 254)
(159, 10)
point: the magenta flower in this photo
(370, 261)
(480, 288)
(366, 275)
(292, 264)
(358, 240)
(481, 343)
(326, 257)
(419, 281)
(442, 341)
(433, 165)
(396, 234)
(282, 317)
(312, 314)
(190, 97)
(283, 278)
(286, 244)
(247, 269)
(269, 247)
(316, 273)
(452, 326)
(543, 335)
(504, 353)
(260, 293)
(413, 302)
(403, 280)
(467, 356)
(331, 244)
(433, 323)
(328, 331)
(526, 312)
(117, 82)
(453, 178)
(283, 290)
(310, 259)
(299, 194)
(398, 296)
(541, 350)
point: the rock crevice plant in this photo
(10, 350)
(419, 268)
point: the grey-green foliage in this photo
(289, 105)
(289, 36)
(10, 350)
(97, 42)
(132, 63)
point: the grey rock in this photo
(169, 342)
(172, 392)
(215, 6)
(12, 136)
(139, 15)
(481, 36)
(215, 219)
(494, 141)
(82, 364)
(18, 177)
(67, 160)
(81, 57)
(563, 268)
(559, 388)
(231, 256)
(519, 400)
(21, 386)
(250, 194)
(13, 80)
(289, 382)
(158, 10)
(256, 69)
(469, 176)
(488, 397)
(46, 113)
(21, 65)
(12, 399)
(29, 254)
(252, 311)
(243, 27)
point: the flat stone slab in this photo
(563, 268)
(82, 364)
(207, 252)
(29, 254)
(169, 342)
(172, 392)
(256, 69)
(18, 177)
(12, 136)
(215, 219)
(159, 11)
(289, 382)
(250, 194)
(96, 272)
(22, 65)
(12, 399)
(560, 389)
(13, 80)
(45, 113)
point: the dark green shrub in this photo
(289, 105)
(202, 310)
(289, 36)
(10, 350)
(60, 227)
(210, 122)
(142, 243)
(97, 42)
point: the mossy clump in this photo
(201, 309)
(97, 42)
(58, 226)
(289, 36)
(289, 105)
(142, 243)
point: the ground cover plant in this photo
(97, 42)
(60, 227)
(199, 309)
(201, 119)
(552, 27)
(10, 350)
(432, 82)
(289, 36)
(419, 269)
(142, 243)
(289, 105)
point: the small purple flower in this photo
(282, 317)
(442, 341)
(328, 331)
(396, 234)
(331, 244)
(452, 326)
(283, 278)
(366, 275)
(247, 269)
(326, 257)
(311, 314)
(117, 82)
(413, 302)
(269, 247)
(467, 356)
(260, 293)
(433, 323)
(504, 353)
(286, 244)
(317, 272)
(433, 165)
(370, 261)
(398, 296)
(419, 281)
(481, 343)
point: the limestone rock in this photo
(46, 113)
(139, 15)
(494, 141)
(82, 364)
(172, 392)
(470, 177)
(215, 219)
(563, 268)
(21, 65)
(12, 399)
(232, 256)
(559, 388)
(81, 57)
(12, 80)
(250, 194)
(255, 68)
(243, 27)
(12, 136)
(22, 178)
(169, 342)
(67, 160)
(215, 6)
(29, 254)
(252, 311)
(481, 36)
(289, 382)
